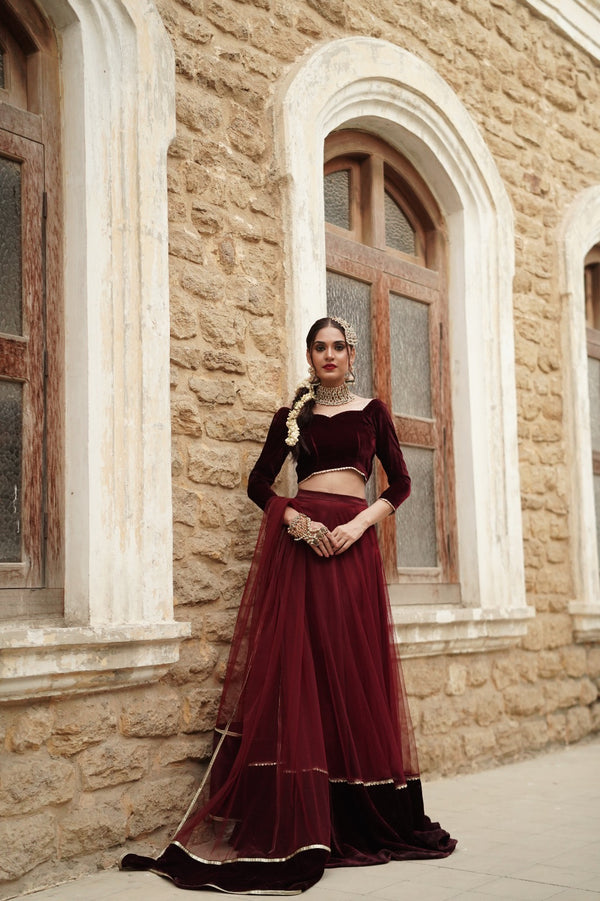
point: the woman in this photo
(314, 762)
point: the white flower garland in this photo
(291, 421)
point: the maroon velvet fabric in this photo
(349, 439)
(314, 763)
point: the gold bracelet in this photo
(300, 530)
(299, 527)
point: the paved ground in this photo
(527, 831)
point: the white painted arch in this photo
(373, 85)
(118, 76)
(579, 232)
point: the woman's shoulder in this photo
(378, 414)
(280, 416)
(372, 405)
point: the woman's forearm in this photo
(288, 515)
(376, 512)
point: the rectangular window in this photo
(21, 364)
(385, 275)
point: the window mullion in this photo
(372, 212)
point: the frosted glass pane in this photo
(10, 247)
(336, 188)
(416, 543)
(597, 502)
(11, 415)
(351, 299)
(411, 370)
(594, 389)
(399, 233)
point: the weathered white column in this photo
(118, 74)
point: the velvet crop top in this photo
(346, 440)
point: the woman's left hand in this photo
(345, 535)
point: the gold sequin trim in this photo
(378, 782)
(317, 769)
(256, 891)
(231, 892)
(385, 500)
(219, 863)
(311, 769)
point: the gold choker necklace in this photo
(332, 397)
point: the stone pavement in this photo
(527, 831)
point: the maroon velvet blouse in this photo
(346, 440)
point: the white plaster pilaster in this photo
(578, 19)
(579, 232)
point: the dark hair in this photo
(306, 413)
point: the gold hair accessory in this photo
(351, 336)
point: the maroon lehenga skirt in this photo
(314, 761)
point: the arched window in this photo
(371, 87)
(31, 561)
(386, 273)
(592, 318)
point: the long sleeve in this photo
(271, 460)
(388, 450)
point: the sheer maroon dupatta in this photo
(314, 762)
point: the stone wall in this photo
(81, 778)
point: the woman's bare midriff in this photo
(344, 481)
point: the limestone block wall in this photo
(81, 778)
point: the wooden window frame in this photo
(23, 361)
(30, 134)
(592, 315)
(361, 253)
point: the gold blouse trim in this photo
(334, 469)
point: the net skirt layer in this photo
(314, 763)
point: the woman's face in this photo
(330, 356)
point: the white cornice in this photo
(578, 19)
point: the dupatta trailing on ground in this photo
(314, 762)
